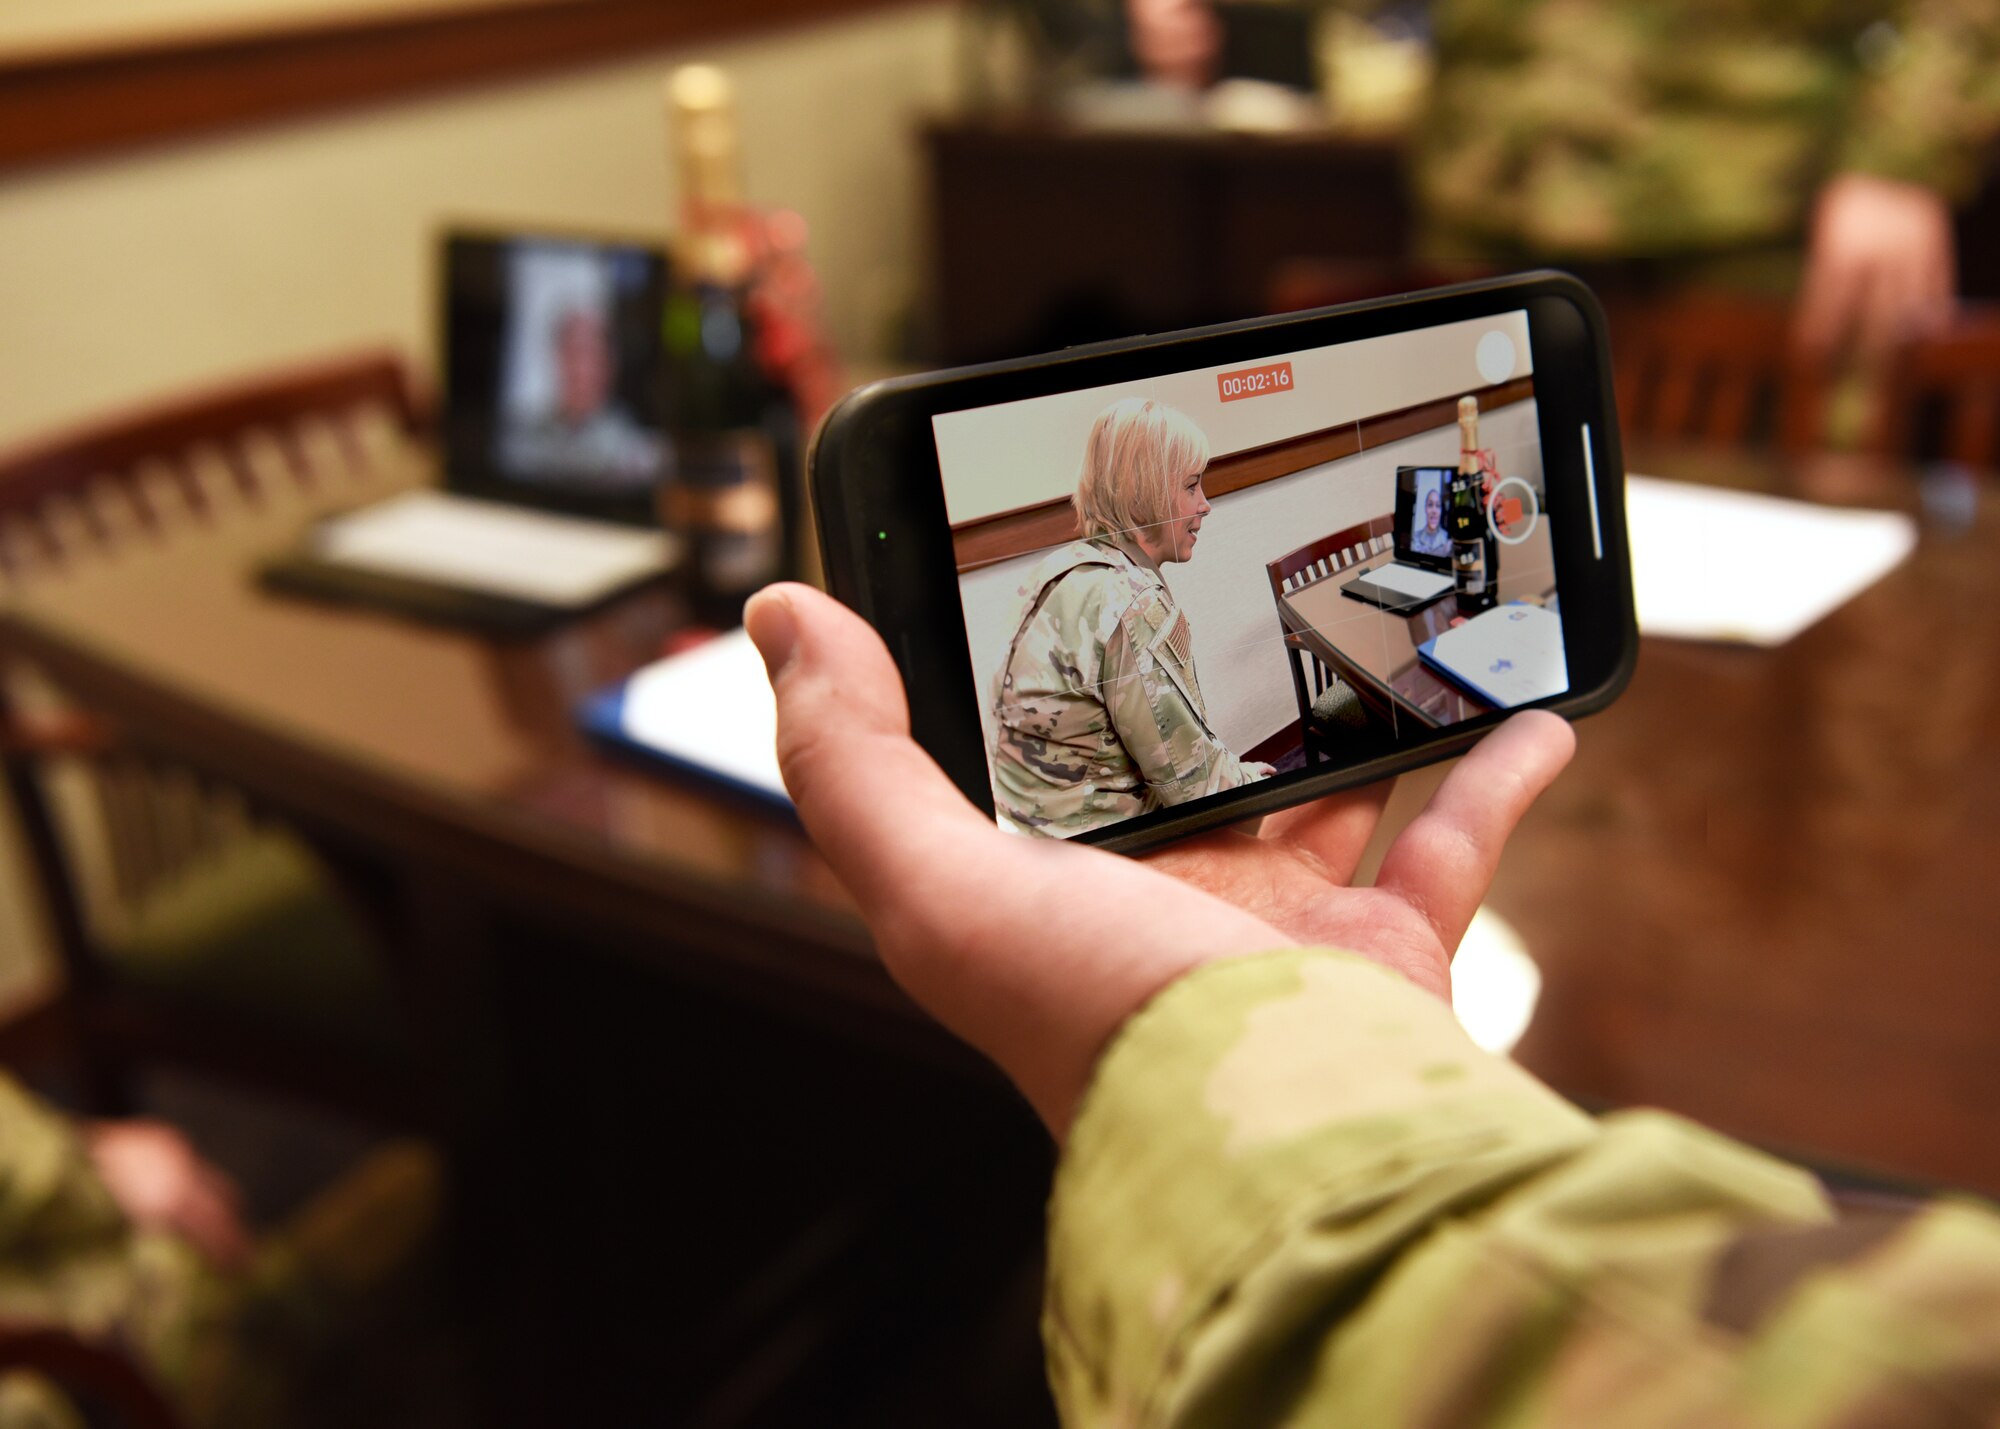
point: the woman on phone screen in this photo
(1098, 714)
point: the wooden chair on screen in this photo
(1714, 370)
(189, 929)
(1335, 715)
(1942, 398)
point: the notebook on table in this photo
(1509, 656)
(707, 713)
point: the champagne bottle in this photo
(725, 419)
(1472, 572)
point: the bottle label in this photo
(724, 498)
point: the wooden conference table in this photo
(1759, 897)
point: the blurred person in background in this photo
(1291, 1189)
(1751, 145)
(120, 1233)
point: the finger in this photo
(1442, 864)
(210, 1217)
(1826, 303)
(1336, 829)
(1882, 305)
(879, 808)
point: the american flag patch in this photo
(1180, 641)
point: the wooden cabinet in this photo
(1045, 237)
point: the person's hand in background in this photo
(1036, 951)
(161, 1183)
(1176, 42)
(1880, 266)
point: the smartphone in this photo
(1145, 588)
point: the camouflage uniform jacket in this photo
(1097, 711)
(69, 1257)
(1296, 1193)
(1590, 130)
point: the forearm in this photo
(1298, 1193)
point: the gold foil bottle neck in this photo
(1468, 426)
(701, 116)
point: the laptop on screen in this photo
(1420, 570)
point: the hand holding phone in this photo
(1157, 586)
(1036, 953)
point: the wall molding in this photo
(988, 540)
(66, 106)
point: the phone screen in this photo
(1178, 586)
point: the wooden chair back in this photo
(1317, 561)
(1942, 397)
(1329, 555)
(1715, 370)
(90, 490)
(102, 823)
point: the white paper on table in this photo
(493, 548)
(1711, 564)
(710, 706)
(1511, 654)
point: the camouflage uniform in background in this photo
(227, 1350)
(1296, 1193)
(1098, 714)
(1596, 132)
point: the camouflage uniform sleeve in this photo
(50, 1195)
(1930, 102)
(1157, 722)
(51, 1201)
(1297, 1193)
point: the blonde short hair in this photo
(1139, 451)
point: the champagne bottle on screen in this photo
(725, 418)
(1470, 538)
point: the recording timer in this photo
(1254, 381)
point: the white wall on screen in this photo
(1224, 590)
(1016, 454)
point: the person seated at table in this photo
(1098, 714)
(1430, 538)
(1292, 1190)
(120, 1233)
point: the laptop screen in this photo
(1423, 537)
(553, 371)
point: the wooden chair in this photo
(189, 929)
(1941, 401)
(1715, 370)
(1335, 714)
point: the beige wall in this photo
(146, 272)
(150, 272)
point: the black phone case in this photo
(847, 425)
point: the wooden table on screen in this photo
(1375, 650)
(1759, 897)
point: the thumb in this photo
(879, 808)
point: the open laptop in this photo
(1421, 569)
(552, 443)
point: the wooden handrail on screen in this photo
(987, 540)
